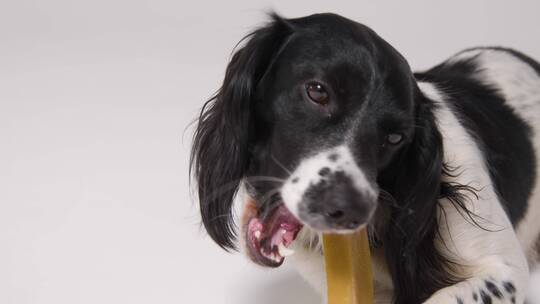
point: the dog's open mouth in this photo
(268, 239)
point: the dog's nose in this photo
(348, 218)
(343, 207)
(336, 204)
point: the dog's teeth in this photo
(257, 234)
(283, 231)
(284, 251)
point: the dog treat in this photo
(348, 268)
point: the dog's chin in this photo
(267, 240)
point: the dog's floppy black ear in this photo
(415, 183)
(220, 152)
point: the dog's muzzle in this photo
(330, 193)
(335, 204)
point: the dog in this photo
(320, 126)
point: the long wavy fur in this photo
(220, 153)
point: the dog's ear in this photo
(220, 152)
(415, 183)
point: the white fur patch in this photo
(307, 174)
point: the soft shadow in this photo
(289, 288)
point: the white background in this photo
(95, 98)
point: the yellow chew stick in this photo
(348, 268)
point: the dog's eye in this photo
(394, 138)
(317, 93)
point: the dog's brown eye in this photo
(394, 138)
(317, 93)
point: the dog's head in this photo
(319, 118)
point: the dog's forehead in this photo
(312, 55)
(327, 41)
(308, 45)
(332, 24)
(334, 28)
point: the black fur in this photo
(510, 288)
(486, 298)
(493, 289)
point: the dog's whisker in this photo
(264, 178)
(220, 216)
(214, 193)
(264, 199)
(267, 201)
(268, 196)
(280, 164)
(386, 197)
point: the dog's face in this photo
(312, 115)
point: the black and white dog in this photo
(321, 126)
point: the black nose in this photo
(335, 203)
(347, 219)
(342, 207)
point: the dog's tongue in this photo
(283, 226)
(269, 238)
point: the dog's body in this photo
(441, 166)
